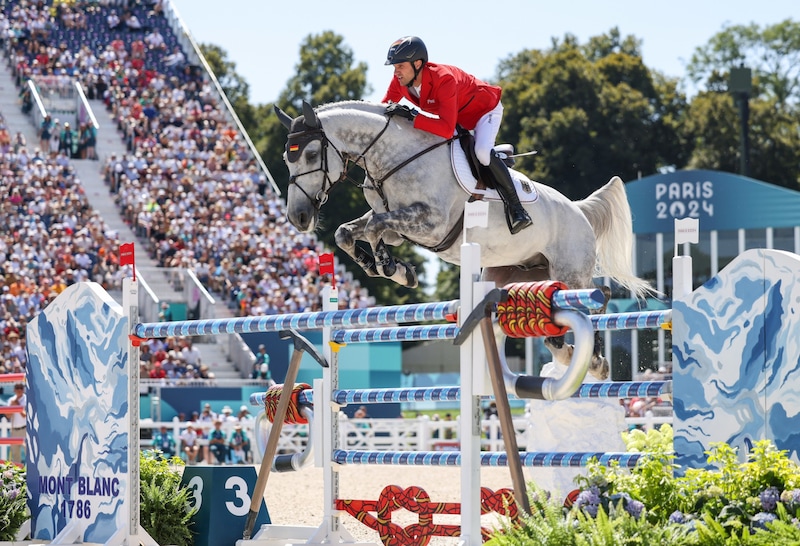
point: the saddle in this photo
(480, 171)
(482, 181)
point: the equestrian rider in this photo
(456, 97)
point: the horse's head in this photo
(311, 158)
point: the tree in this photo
(448, 282)
(325, 73)
(712, 126)
(593, 111)
(773, 53)
(235, 87)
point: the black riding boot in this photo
(516, 216)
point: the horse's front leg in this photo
(414, 222)
(346, 236)
(600, 367)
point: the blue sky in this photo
(263, 38)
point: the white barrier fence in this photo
(418, 434)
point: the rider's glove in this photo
(395, 109)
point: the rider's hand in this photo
(395, 109)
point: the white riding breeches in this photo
(486, 133)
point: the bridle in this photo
(298, 140)
(295, 144)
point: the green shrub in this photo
(732, 504)
(13, 500)
(165, 510)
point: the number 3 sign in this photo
(222, 498)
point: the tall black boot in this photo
(516, 216)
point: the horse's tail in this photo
(609, 214)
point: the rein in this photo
(297, 141)
(378, 184)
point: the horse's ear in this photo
(286, 119)
(310, 116)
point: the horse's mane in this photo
(332, 109)
(360, 105)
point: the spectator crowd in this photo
(188, 184)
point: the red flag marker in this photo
(126, 257)
(326, 266)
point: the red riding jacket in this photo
(450, 93)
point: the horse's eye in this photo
(312, 155)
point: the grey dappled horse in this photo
(414, 196)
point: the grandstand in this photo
(154, 154)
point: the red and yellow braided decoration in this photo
(293, 415)
(415, 499)
(528, 311)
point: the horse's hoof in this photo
(554, 342)
(599, 367)
(411, 277)
(389, 269)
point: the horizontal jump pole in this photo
(12, 441)
(588, 299)
(554, 459)
(7, 410)
(343, 397)
(399, 333)
(417, 312)
(636, 320)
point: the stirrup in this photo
(517, 225)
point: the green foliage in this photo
(752, 503)
(13, 500)
(325, 73)
(712, 125)
(593, 111)
(235, 87)
(550, 525)
(165, 510)
(447, 282)
(772, 52)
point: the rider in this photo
(456, 97)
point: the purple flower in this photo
(677, 517)
(761, 520)
(791, 498)
(634, 508)
(769, 498)
(540, 496)
(13, 494)
(589, 501)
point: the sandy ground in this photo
(296, 498)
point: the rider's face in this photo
(404, 73)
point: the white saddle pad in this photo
(525, 190)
